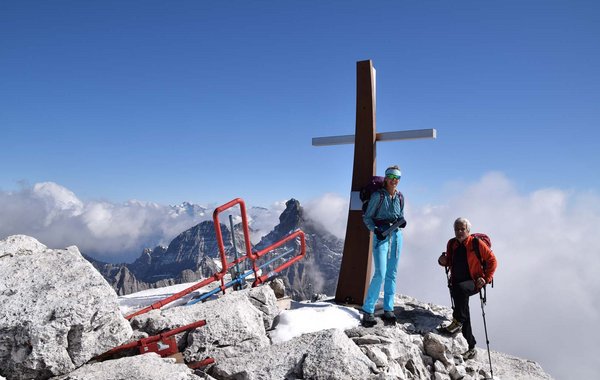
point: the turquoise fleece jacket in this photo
(389, 210)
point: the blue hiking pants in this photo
(386, 254)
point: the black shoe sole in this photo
(442, 330)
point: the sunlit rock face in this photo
(57, 311)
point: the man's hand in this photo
(480, 282)
(379, 233)
(443, 260)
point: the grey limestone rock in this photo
(261, 298)
(278, 287)
(327, 354)
(405, 359)
(436, 348)
(142, 367)
(377, 356)
(57, 310)
(235, 324)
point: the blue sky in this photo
(105, 102)
(207, 101)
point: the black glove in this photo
(379, 233)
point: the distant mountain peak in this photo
(191, 209)
(291, 217)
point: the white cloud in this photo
(263, 219)
(111, 232)
(545, 305)
(57, 200)
(329, 211)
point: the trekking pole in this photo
(483, 298)
(237, 265)
(447, 269)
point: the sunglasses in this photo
(392, 176)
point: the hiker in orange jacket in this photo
(467, 277)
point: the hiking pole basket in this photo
(483, 299)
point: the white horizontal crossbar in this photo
(384, 136)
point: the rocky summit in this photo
(58, 314)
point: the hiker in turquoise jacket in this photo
(384, 210)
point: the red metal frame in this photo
(219, 235)
(296, 234)
(163, 344)
(217, 224)
(176, 296)
(225, 266)
(201, 363)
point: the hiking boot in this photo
(389, 316)
(368, 320)
(453, 327)
(469, 354)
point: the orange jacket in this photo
(475, 266)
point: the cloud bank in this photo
(545, 304)
(106, 231)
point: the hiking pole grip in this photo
(448, 281)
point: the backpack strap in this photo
(378, 204)
(481, 262)
(401, 196)
(450, 248)
(476, 249)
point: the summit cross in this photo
(355, 270)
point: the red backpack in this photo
(477, 236)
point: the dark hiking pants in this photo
(461, 293)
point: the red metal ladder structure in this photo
(164, 343)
